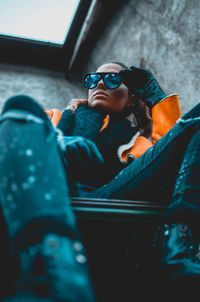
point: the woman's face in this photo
(110, 100)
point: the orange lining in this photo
(165, 114)
(140, 146)
(54, 115)
(105, 122)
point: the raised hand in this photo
(143, 84)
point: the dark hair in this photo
(141, 111)
(119, 63)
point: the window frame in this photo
(44, 54)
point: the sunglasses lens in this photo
(112, 80)
(91, 80)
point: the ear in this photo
(132, 100)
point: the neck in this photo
(121, 115)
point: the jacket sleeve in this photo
(66, 122)
(164, 115)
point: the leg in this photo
(169, 172)
(185, 202)
(152, 176)
(175, 157)
(46, 253)
(180, 233)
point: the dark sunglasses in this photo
(111, 80)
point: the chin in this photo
(97, 104)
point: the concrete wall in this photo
(163, 33)
(49, 88)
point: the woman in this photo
(130, 165)
(113, 121)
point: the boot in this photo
(47, 259)
(181, 257)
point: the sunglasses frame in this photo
(102, 76)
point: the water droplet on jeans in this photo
(14, 187)
(29, 152)
(15, 139)
(78, 246)
(166, 232)
(81, 259)
(31, 179)
(9, 197)
(15, 225)
(48, 196)
(32, 168)
(25, 186)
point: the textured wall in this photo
(164, 34)
(49, 88)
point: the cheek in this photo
(120, 97)
(90, 91)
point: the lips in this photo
(100, 93)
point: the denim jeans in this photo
(168, 173)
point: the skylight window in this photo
(41, 20)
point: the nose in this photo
(101, 85)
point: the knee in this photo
(18, 102)
(25, 103)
